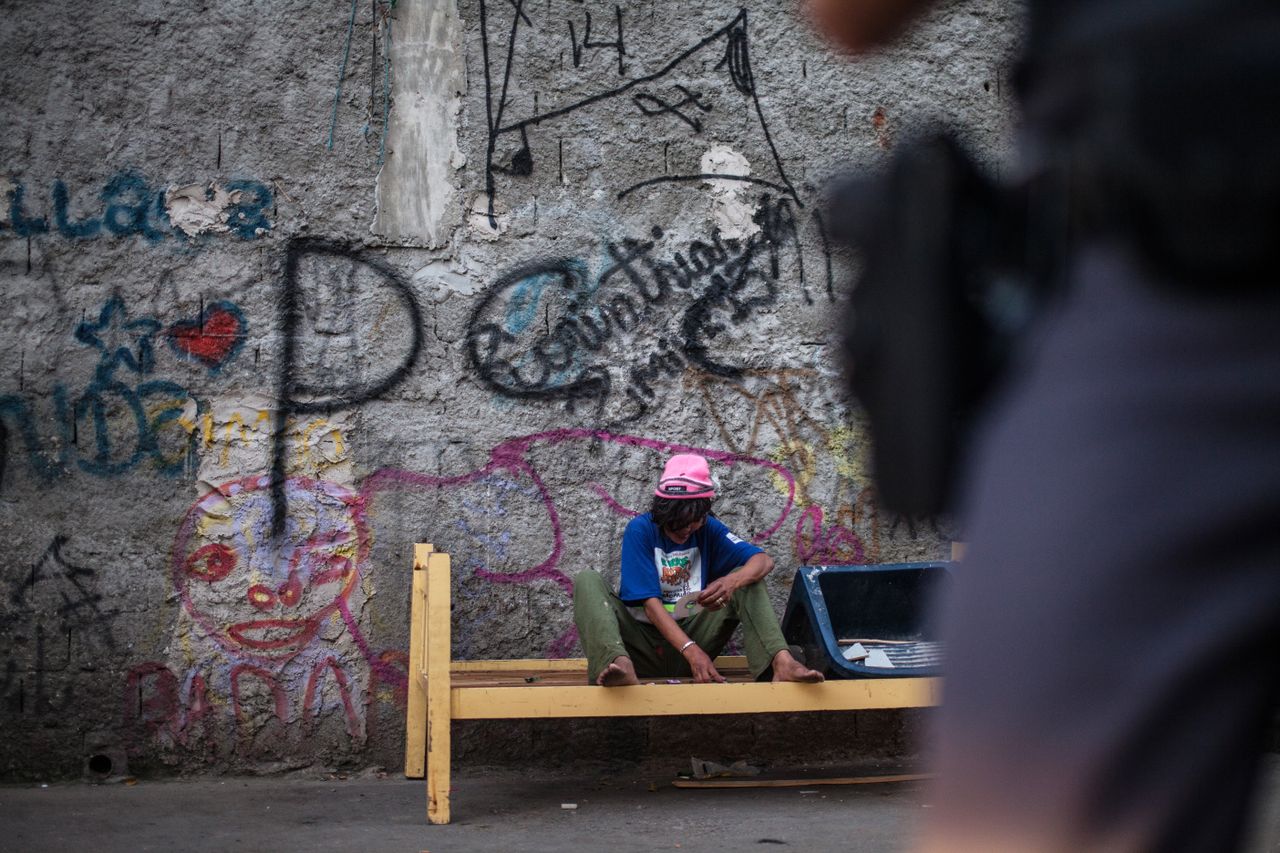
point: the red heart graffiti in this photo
(213, 342)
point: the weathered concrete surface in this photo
(621, 810)
(263, 329)
(632, 811)
(415, 186)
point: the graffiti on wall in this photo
(130, 205)
(271, 569)
(53, 604)
(608, 332)
(272, 636)
(512, 470)
(212, 338)
(618, 45)
(552, 330)
(126, 416)
(646, 308)
(275, 641)
(771, 412)
(671, 92)
(325, 285)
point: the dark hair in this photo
(674, 513)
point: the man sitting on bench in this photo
(687, 583)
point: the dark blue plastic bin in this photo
(886, 604)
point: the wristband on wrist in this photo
(687, 645)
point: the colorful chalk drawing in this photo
(225, 554)
(273, 616)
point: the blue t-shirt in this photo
(653, 566)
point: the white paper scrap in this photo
(854, 652)
(878, 658)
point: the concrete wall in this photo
(290, 286)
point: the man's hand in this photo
(718, 593)
(704, 671)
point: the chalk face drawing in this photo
(261, 597)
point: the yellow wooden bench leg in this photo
(415, 732)
(439, 654)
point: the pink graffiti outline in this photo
(511, 456)
(826, 544)
(278, 697)
(610, 501)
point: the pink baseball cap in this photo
(686, 475)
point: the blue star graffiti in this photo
(126, 416)
(121, 340)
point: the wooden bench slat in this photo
(415, 741)
(566, 664)
(513, 678)
(647, 700)
(437, 657)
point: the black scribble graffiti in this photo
(296, 396)
(617, 44)
(652, 105)
(49, 602)
(737, 57)
(78, 604)
(734, 59)
(486, 340)
(541, 330)
(826, 253)
(50, 663)
(518, 4)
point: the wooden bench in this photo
(442, 690)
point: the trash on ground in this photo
(855, 652)
(878, 658)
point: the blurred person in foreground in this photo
(1112, 634)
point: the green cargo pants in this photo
(607, 629)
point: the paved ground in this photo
(617, 812)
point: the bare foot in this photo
(787, 668)
(620, 673)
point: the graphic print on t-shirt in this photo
(675, 570)
(679, 572)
